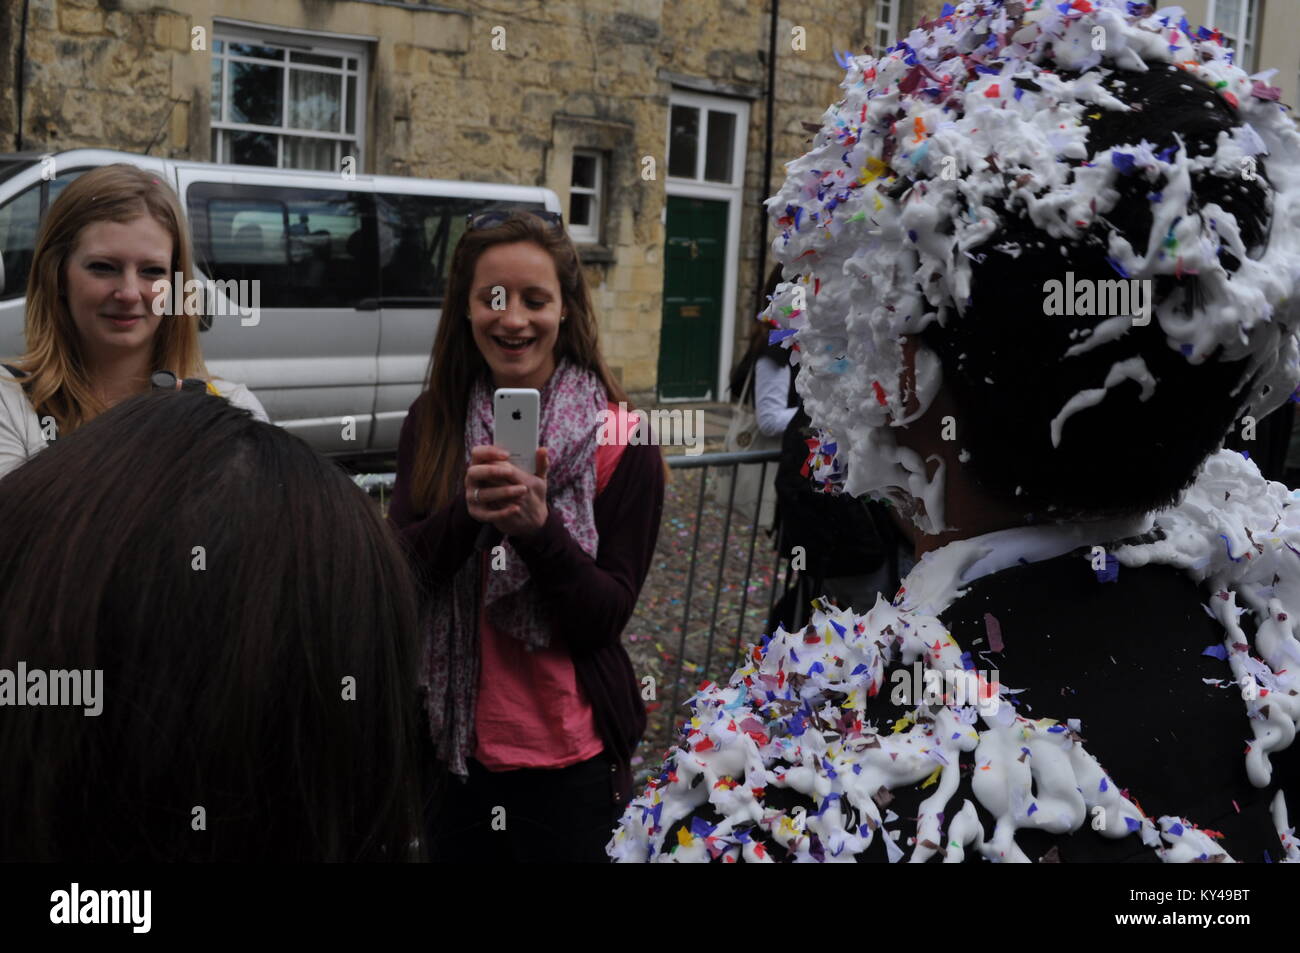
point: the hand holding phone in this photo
(514, 425)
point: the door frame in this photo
(733, 195)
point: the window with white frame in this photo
(290, 101)
(1238, 21)
(585, 191)
(886, 24)
(704, 139)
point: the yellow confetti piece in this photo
(901, 724)
(1094, 115)
(879, 204)
(934, 776)
(684, 837)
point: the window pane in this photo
(251, 148)
(579, 208)
(19, 219)
(217, 63)
(302, 153)
(353, 105)
(584, 171)
(316, 59)
(352, 63)
(315, 100)
(251, 49)
(216, 145)
(683, 141)
(59, 184)
(217, 45)
(325, 258)
(722, 139)
(256, 94)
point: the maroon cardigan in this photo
(590, 600)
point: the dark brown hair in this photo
(226, 668)
(456, 361)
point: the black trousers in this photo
(530, 815)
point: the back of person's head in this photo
(456, 360)
(975, 177)
(255, 625)
(112, 193)
(1001, 358)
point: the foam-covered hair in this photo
(979, 128)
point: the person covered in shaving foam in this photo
(1095, 658)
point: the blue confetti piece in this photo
(1019, 92)
(1056, 729)
(1246, 454)
(967, 662)
(1226, 545)
(815, 668)
(777, 335)
(798, 214)
(1185, 26)
(1176, 830)
(1167, 155)
(911, 234)
(1119, 269)
(1111, 572)
(1135, 7)
(987, 70)
(857, 769)
(700, 827)
(858, 670)
(1125, 162)
(829, 449)
(1032, 809)
(1103, 786)
(793, 657)
(658, 810)
(1217, 651)
(743, 836)
(838, 628)
(1064, 7)
(948, 10)
(1156, 196)
(797, 726)
(1186, 349)
(1133, 824)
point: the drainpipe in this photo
(18, 75)
(761, 277)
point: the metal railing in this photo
(703, 462)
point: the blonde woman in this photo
(94, 337)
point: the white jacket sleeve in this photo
(771, 395)
(20, 431)
(241, 396)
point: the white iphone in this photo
(515, 412)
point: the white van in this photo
(351, 275)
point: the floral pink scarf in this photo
(571, 404)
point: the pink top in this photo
(531, 712)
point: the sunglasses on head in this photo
(497, 216)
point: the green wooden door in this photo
(694, 265)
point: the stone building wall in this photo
(444, 103)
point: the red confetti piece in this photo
(705, 745)
(1083, 6)
(880, 393)
(1232, 100)
(994, 630)
(993, 92)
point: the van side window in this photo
(421, 231)
(308, 248)
(20, 219)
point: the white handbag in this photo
(742, 435)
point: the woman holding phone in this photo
(94, 335)
(532, 701)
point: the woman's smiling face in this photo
(108, 280)
(515, 306)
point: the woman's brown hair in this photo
(56, 375)
(176, 544)
(456, 361)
